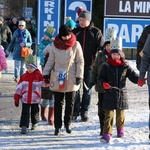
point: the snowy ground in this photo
(85, 135)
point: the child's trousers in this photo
(109, 118)
(25, 115)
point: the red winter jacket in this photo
(29, 87)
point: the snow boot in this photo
(51, 116)
(34, 126)
(68, 129)
(120, 132)
(105, 138)
(43, 112)
(24, 130)
(57, 132)
(84, 117)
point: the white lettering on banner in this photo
(127, 7)
(142, 7)
(128, 36)
(76, 4)
(139, 7)
(49, 7)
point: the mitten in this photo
(16, 99)
(78, 80)
(7, 53)
(22, 44)
(46, 79)
(106, 85)
(141, 82)
(91, 84)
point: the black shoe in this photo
(68, 129)
(84, 117)
(57, 132)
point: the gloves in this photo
(78, 80)
(7, 53)
(16, 99)
(22, 44)
(46, 79)
(106, 85)
(141, 82)
(91, 84)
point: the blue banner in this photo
(72, 6)
(129, 29)
(48, 14)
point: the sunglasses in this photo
(21, 25)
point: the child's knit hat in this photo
(50, 31)
(116, 45)
(110, 33)
(30, 61)
(70, 23)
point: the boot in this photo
(105, 138)
(51, 116)
(120, 132)
(43, 112)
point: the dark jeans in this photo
(25, 115)
(58, 106)
(84, 105)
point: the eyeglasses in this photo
(21, 25)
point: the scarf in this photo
(64, 44)
(115, 62)
(21, 35)
(46, 42)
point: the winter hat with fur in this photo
(64, 30)
(85, 14)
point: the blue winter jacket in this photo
(41, 47)
(15, 44)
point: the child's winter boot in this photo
(120, 132)
(105, 138)
(43, 113)
(51, 116)
(24, 130)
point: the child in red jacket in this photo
(29, 91)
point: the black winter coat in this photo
(116, 97)
(140, 45)
(91, 40)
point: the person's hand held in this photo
(46, 79)
(22, 44)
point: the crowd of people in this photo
(74, 61)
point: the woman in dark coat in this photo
(113, 79)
